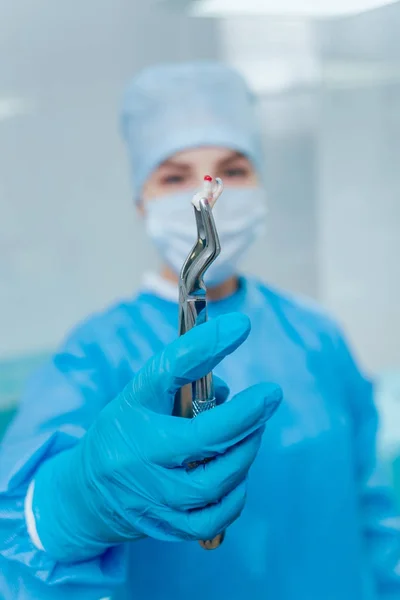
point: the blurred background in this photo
(329, 98)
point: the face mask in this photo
(239, 216)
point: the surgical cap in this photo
(170, 108)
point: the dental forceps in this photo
(197, 397)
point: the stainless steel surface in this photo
(195, 398)
(199, 396)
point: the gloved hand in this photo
(128, 478)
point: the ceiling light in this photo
(278, 74)
(284, 8)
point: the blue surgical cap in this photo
(170, 108)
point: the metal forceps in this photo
(197, 397)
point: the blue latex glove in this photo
(127, 478)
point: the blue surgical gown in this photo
(318, 524)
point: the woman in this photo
(90, 468)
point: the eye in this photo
(174, 179)
(236, 172)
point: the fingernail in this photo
(272, 399)
(233, 329)
(270, 408)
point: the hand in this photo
(128, 478)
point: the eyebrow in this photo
(171, 162)
(233, 156)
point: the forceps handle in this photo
(200, 406)
(189, 406)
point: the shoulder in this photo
(299, 309)
(309, 326)
(320, 336)
(302, 318)
(102, 326)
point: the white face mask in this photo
(239, 216)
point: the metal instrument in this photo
(197, 397)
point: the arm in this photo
(127, 477)
(379, 521)
(59, 405)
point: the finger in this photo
(212, 433)
(208, 483)
(216, 431)
(221, 390)
(189, 358)
(203, 524)
(206, 523)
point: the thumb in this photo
(187, 359)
